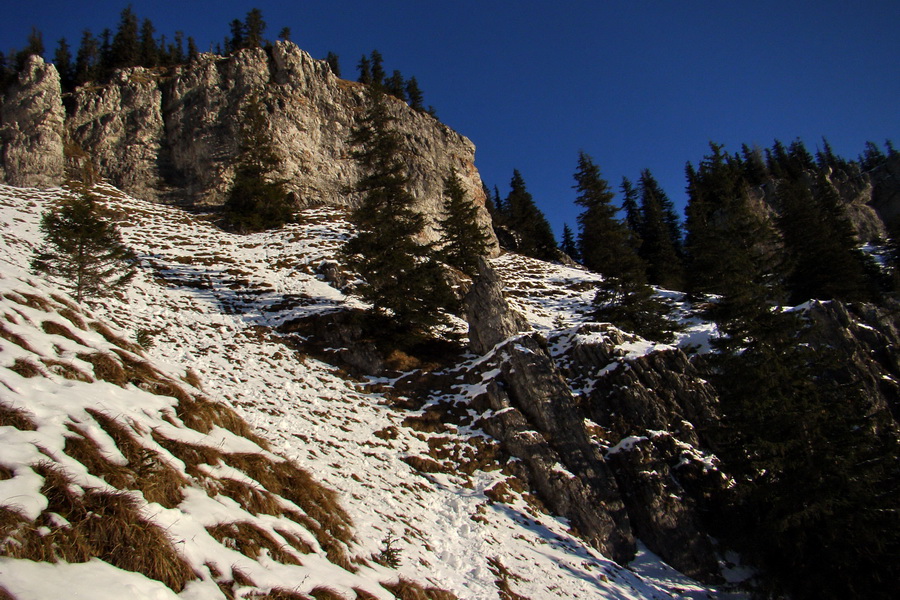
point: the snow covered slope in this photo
(86, 412)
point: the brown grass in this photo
(192, 379)
(250, 540)
(364, 595)
(325, 593)
(15, 338)
(31, 300)
(279, 594)
(106, 525)
(26, 368)
(112, 338)
(5, 595)
(6, 473)
(73, 317)
(66, 370)
(106, 367)
(16, 417)
(54, 328)
(425, 465)
(296, 485)
(296, 541)
(156, 479)
(200, 414)
(252, 499)
(405, 589)
(192, 456)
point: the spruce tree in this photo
(403, 282)
(254, 28)
(334, 63)
(377, 63)
(414, 94)
(365, 70)
(257, 199)
(149, 52)
(632, 213)
(62, 59)
(659, 235)
(603, 240)
(87, 60)
(463, 241)
(395, 85)
(125, 49)
(567, 245)
(533, 235)
(83, 248)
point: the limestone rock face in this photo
(491, 320)
(32, 128)
(173, 135)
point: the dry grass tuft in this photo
(85, 450)
(364, 595)
(5, 595)
(54, 328)
(241, 578)
(6, 473)
(106, 525)
(106, 367)
(405, 589)
(192, 456)
(73, 317)
(115, 340)
(30, 300)
(155, 478)
(16, 417)
(425, 465)
(200, 414)
(325, 593)
(15, 338)
(250, 540)
(252, 499)
(26, 368)
(295, 541)
(296, 485)
(279, 594)
(66, 370)
(192, 379)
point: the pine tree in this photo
(62, 59)
(192, 51)
(257, 199)
(87, 59)
(334, 63)
(568, 246)
(659, 235)
(149, 53)
(414, 94)
(378, 73)
(463, 240)
(402, 280)
(395, 85)
(83, 248)
(237, 41)
(632, 213)
(254, 28)
(603, 241)
(365, 70)
(125, 49)
(285, 34)
(533, 234)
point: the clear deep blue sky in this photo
(636, 84)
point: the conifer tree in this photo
(285, 34)
(237, 41)
(414, 94)
(87, 59)
(603, 241)
(254, 28)
(533, 235)
(567, 245)
(192, 51)
(395, 85)
(334, 63)
(125, 49)
(83, 248)
(257, 199)
(659, 239)
(62, 59)
(402, 280)
(632, 213)
(365, 70)
(463, 241)
(149, 53)
(377, 63)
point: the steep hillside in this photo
(219, 429)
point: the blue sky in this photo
(636, 84)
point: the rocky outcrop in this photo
(609, 436)
(491, 320)
(31, 128)
(173, 135)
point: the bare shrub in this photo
(249, 540)
(16, 417)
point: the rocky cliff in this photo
(172, 136)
